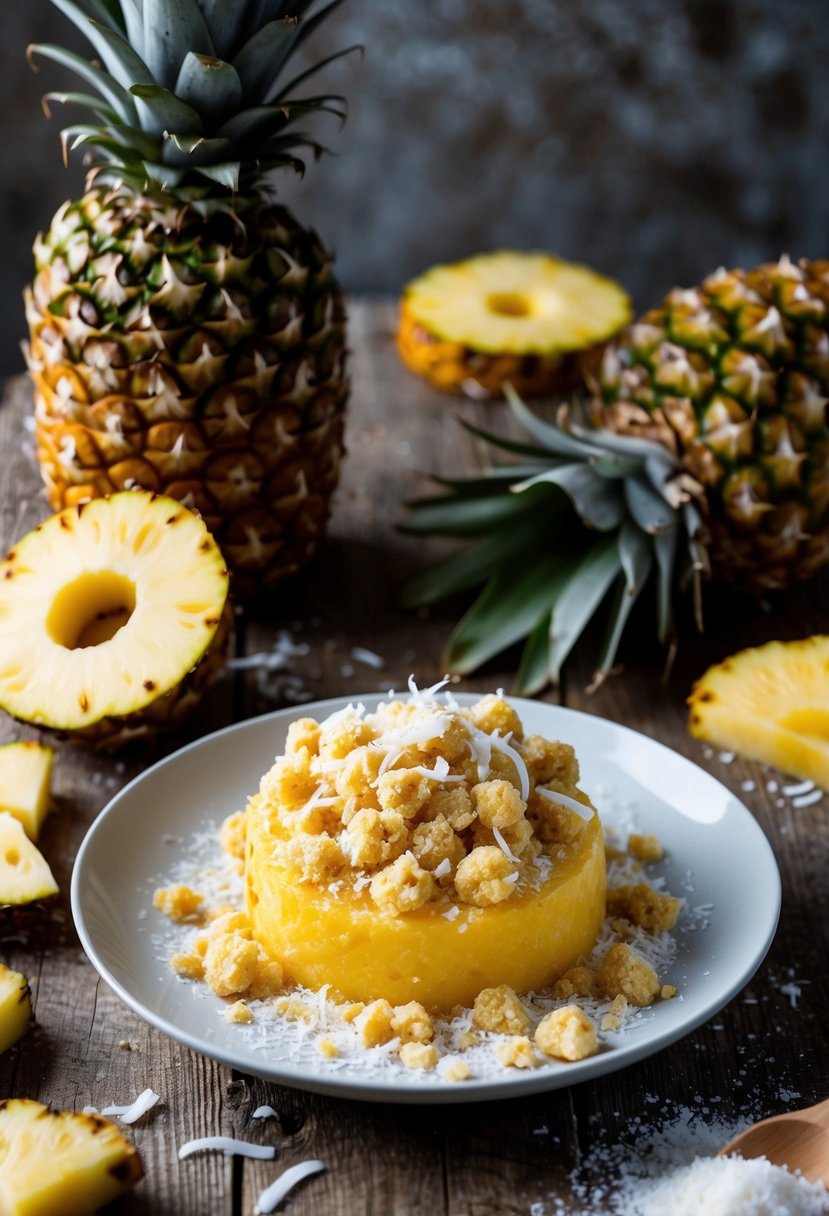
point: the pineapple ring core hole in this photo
(91, 609)
(510, 304)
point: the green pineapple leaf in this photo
(209, 85)
(113, 93)
(506, 611)
(170, 25)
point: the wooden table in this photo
(385, 1159)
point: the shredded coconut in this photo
(228, 1146)
(130, 1114)
(273, 1195)
(368, 657)
(585, 812)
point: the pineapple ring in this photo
(522, 317)
(104, 609)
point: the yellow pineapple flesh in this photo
(24, 873)
(526, 318)
(770, 703)
(113, 618)
(57, 1163)
(25, 778)
(15, 1006)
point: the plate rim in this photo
(372, 1089)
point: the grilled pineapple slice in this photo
(770, 703)
(25, 777)
(56, 1163)
(15, 1006)
(24, 873)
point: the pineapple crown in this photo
(191, 95)
(577, 512)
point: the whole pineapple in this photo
(187, 334)
(732, 378)
(701, 449)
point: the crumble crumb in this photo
(374, 1023)
(239, 1013)
(517, 1052)
(617, 1013)
(327, 1049)
(232, 835)
(623, 972)
(481, 877)
(578, 981)
(645, 847)
(403, 886)
(642, 905)
(179, 902)
(667, 992)
(500, 1010)
(188, 966)
(419, 1055)
(567, 1034)
(411, 1023)
(454, 1069)
(230, 964)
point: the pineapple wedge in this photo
(770, 703)
(56, 1163)
(25, 777)
(15, 1006)
(24, 873)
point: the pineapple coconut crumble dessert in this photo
(437, 879)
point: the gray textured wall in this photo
(655, 139)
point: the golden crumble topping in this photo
(567, 1033)
(419, 1055)
(645, 848)
(517, 1052)
(420, 803)
(642, 905)
(238, 1013)
(623, 971)
(500, 1009)
(179, 902)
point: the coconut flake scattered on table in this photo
(273, 1195)
(228, 1146)
(264, 1112)
(131, 1113)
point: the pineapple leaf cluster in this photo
(192, 95)
(576, 514)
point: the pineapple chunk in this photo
(56, 1163)
(104, 610)
(25, 776)
(24, 872)
(770, 703)
(15, 1006)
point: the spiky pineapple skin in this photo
(196, 354)
(733, 377)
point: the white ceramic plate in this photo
(717, 855)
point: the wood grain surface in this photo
(492, 1159)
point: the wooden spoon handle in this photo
(818, 1115)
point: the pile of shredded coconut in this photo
(669, 1167)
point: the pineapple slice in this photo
(57, 1162)
(25, 776)
(770, 703)
(105, 609)
(521, 317)
(24, 873)
(15, 1006)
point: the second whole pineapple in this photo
(187, 334)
